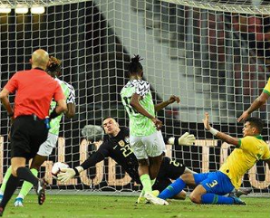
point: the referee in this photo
(34, 90)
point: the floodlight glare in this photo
(37, 9)
(5, 9)
(21, 9)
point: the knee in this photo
(143, 162)
(195, 198)
(181, 196)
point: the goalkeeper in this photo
(116, 145)
(211, 187)
(54, 69)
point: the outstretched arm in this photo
(164, 104)
(69, 173)
(218, 134)
(260, 101)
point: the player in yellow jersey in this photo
(211, 187)
(257, 103)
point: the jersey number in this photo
(126, 151)
(213, 184)
(175, 163)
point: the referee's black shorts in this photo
(27, 134)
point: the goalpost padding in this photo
(216, 60)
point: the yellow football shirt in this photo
(250, 150)
(267, 87)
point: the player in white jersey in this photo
(145, 138)
(54, 69)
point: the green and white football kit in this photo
(145, 140)
(47, 147)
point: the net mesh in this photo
(213, 54)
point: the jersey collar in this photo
(258, 136)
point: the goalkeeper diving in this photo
(116, 145)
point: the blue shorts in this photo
(214, 182)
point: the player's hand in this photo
(206, 121)
(66, 174)
(173, 99)
(243, 117)
(186, 139)
(157, 123)
(98, 143)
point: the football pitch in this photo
(83, 206)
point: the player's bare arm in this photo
(4, 98)
(218, 134)
(164, 104)
(260, 101)
(137, 106)
(71, 110)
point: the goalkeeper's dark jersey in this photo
(118, 148)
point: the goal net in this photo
(213, 54)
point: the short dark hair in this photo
(255, 122)
(135, 65)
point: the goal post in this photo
(213, 54)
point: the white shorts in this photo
(147, 146)
(47, 147)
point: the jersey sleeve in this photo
(92, 160)
(12, 84)
(266, 155)
(104, 149)
(141, 87)
(267, 87)
(71, 96)
(58, 94)
(244, 143)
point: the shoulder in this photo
(246, 139)
(124, 132)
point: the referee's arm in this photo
(4, 99)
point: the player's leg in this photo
(4, 183)
(44, 151)
(178, 185)
(162, 183)
(212, 189)
(27, 186)
(143, 170)
(13, 181)
(154, 147)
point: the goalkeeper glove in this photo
(68, 173)
(186, 139)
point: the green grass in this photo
(83, 206)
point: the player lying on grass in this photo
(116, 145)
(54, 69)
(211, 187)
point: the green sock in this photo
(6, 177)
(146, 182)
(27, 186)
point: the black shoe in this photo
(242, 191)
(41, 187)
(1, 211)
(238, 201)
